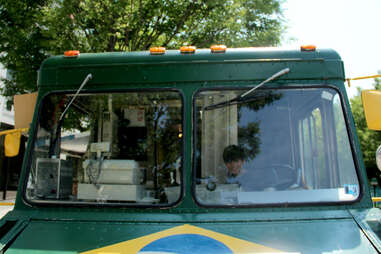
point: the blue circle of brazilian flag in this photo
(186, 244)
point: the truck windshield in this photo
(111, 148)
(277, 146)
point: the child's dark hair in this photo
(233, 153)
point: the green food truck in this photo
(220, 150)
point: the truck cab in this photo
(132, 153)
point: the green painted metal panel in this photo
(296, 237)
(319, 228)
(141, 68)
(240, 54)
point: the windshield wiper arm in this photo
(241, 96)
(56, 139)
(88, 77)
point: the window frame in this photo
(54, 203)
(274, 86)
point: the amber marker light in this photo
(157, 50)
(188, 49)
(71, 53)
(308, 48)
(218, 48)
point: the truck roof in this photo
(241, 64)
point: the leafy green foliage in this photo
(30, 30)
(369, 139)
(21, 43)
(250, 134)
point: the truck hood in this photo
(299, 236)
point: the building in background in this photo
(10, 167)
(7, 113)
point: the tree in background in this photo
(369, 139)
(22, 45)
(31, 30)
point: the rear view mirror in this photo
(378, 157)
(371, 101)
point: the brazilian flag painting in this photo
(185, 239)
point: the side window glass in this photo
(313, 160)
(345, 158)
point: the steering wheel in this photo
(277, 176)
(286, 176)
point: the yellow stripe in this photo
(363, 77)
(12, 131)
(366, 77)
(376, 199)
(7, 204)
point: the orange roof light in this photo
(218, 48)
(71, 53)
(188, 49)
(157, 50)
(308, 48)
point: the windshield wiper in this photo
(88, 77)
(54, 145)
(240, 98)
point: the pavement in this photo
(7, 204)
